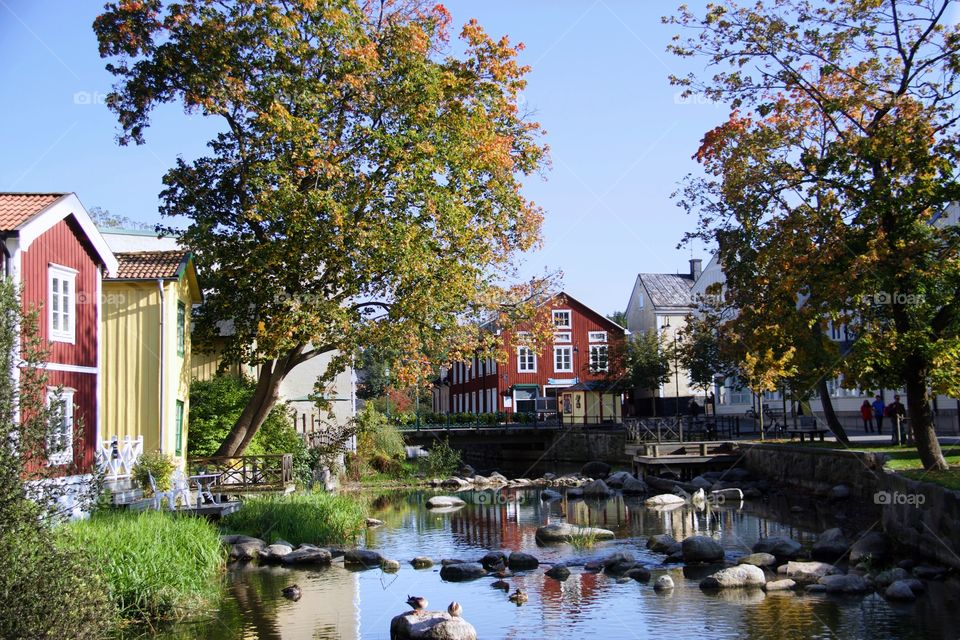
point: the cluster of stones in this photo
(781, 564)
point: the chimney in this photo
(695, 268)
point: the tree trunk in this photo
(832, 421)
(253, 415)
(921, 418)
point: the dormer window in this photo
(561, 319)
(62, 303)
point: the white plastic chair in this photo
(180, 486)
(158, 495)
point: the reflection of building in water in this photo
(328, 609)
(504, 519)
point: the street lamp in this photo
(676, 378)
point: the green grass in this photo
(157, 566)
(583, 539)
(315, 518)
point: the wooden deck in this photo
(686, 459)
(247, 474)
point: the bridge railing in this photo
(681, 428)
(535, 420)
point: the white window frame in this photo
(63, 455)
(569, 358)
(597, 336)
(606, 351)
(523, 353)
(568, 325)
(562, 336)
(66, 308)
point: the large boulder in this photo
(634, 486)
(307, 554)
(780, 585)
(782, 548)
(740, 576)
(638, 573)
(664, 499)
(596, 489)
(663, 583)
(431, 625)
(275, 552)
(831, 545)
(520, 561)
(873, 545)
(422, 562)
(886, 578)
(564, 532)
(759, 560)
(617, 564)
(807, 572)
(617, 479)
(847, 583)
(549, 495)
(455, 482)
(247, 548)
(364, 558)
(701, 549)
(661, 543)
(595, 469)
(462, 571)
(900, 590)
(558, 572)
(439, 502)
(494, 560)
(701, 483)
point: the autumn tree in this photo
(365, 185)
(839, 153)
(647, 361)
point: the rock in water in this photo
(900, 590)
(759, 560)
(807, 572)
(780, 585)
(740, 576)
(782, 548)
(363, 558)
(563, 532)
(596, 489)
(432, 625)
(664, 499)
(660, 543)
(462, 572)
(830, 546)
(422, 562)
(559, 572)
(634, 486)
(522, 561)
(439, 502)
(307, 554)
(595, 469)
(701, 549)
(663, 583)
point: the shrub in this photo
(443, 459)
(314, 518)
(157, 566)
(159, 465)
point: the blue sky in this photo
(620, 138)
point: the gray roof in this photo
(668, 289)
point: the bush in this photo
(159, 465)
(315, 518)
(443, 459)
(215, 405)
(157, 566)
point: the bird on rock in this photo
(293, 592)
(419, 603)
(455, 609)
(519, 596)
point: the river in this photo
(342, 604)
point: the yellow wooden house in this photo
(145, 390)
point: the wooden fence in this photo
(267, 472)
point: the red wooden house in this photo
(53, 251)
(570, 373)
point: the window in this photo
(181, 329)
(561, 336)
(561, 318)
(525, 399)
(179, 428)
(526, 360)
(598, 357)
(62, 296)
(640, 300)
(836, 331)
(597, 336)
(563, 359)
(60, 434)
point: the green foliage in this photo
(157, 566)
(620, 317)
(583, 539)
(215, 405)
(316, 518)
(443, 459)
(160, 465)
(46, 590)
(647, 360)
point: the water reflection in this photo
(337, 603)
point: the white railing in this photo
(115, 458)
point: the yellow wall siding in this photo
(131, 362)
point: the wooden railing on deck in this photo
(272, 471)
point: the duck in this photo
(501, 584)
(292, 592)
(418, 603)
(519, 596)
(454, 609)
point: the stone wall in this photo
(922, 518)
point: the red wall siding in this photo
(63, 245)
(583, 321)
(84, 411)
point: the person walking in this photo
(897, 412)
(878, 409)
(866, 412)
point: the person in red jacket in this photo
(866, 412)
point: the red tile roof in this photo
(17, 208)
(150, 265)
